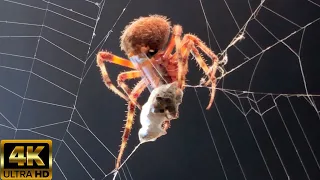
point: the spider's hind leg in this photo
(215, 60)
(189, 44)
(210, 72)
(137, 90)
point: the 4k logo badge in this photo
(26, 159)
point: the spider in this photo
(147, 43)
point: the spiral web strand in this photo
(24, 58)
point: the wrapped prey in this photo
(162, 107)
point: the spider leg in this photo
(126, 132)
(183, 62)
(209, 72)
(137, 90)
(175, 41)
(126, 76)
(179, 54)
(189, 45)
(108, 57)
(215, 60)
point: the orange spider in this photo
(144, 42)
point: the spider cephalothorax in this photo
(144, 34)
(157, 61)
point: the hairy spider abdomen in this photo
(151, 32)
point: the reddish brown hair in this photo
(151, 32)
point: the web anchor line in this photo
(115, 171)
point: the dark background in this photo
(264, 123)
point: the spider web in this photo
(264, 122)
